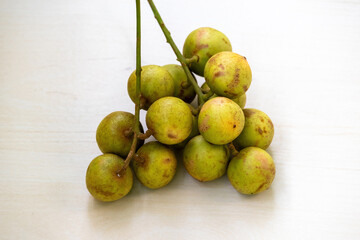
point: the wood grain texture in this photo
(64, 66)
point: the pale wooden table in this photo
(64, 65)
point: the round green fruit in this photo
(221, 120)
(103, 181)
(155, 165)
(258, 130)
(251, 171)
(156, 82)
(228, 74)
(205, 161)
(115, 133)
(204, 42)
(178, 74)
(170, 120)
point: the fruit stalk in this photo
(178, 54)
(138, 88)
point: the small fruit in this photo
(251, 171)
(115, 133)
(156, 82)
(204, 42)
(178, 74)
(205, 161)
(155, 165)
(194, 132)
(258, 130)
(103, 180)
(221, 120)
(228, 74)
(170, 120)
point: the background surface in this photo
(64, 65)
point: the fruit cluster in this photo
(217, 136)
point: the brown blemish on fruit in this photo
(245, 88)
(224, 41)
(99, 190)
(259, 188)
(233, 95)
(204, 124)
(165, 175)
(167, 160)
(234, 126)
(270, 122)
(249, 112)
(236, 80)
(221, 66)
(219, 74)
(171, 135)
(260, 131)
(244, 57)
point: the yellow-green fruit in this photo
(205, 161)
(251, 171)
(194, 132)
(241, 100)
(221, 120)
(228, 74)
(170, 120)
(115, 133)
(155, 165)
(204, 42)
(103, 180)
(258, 130)
(156, 82)
(178, 74)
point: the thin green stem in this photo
(136, 127)
(178, 54)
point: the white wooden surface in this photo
(64, 65)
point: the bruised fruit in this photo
(170, 120)
(228, 74)
(103, 180)
(221, 120)
(205, 161)
(258, 130)
(251, 171)
(155, 165)
(194, 132)
(115, 133)
(183, 89)
(156, 82)
(204, 43)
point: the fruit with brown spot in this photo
(103, 181)
(251, 171)
(155, 165)
(204, 42)
(205, 161)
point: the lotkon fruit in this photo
(155, 165)
(228, 74)
(221, 120)
(170, 120)
(156, 82)
(204, 43)
(251, 171)
(103, 181)
(205, 161)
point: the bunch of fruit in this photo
(216, 136)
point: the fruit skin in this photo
(204, 42)
(179, 76)
(251, 171)
(194, 132)
(258, 130)
(228, 74)
(112, 134)
(221, 120)
(156, 82)
(241, 100)
(102, 178)
(170, 120)
(155, 165)
(205, 161)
